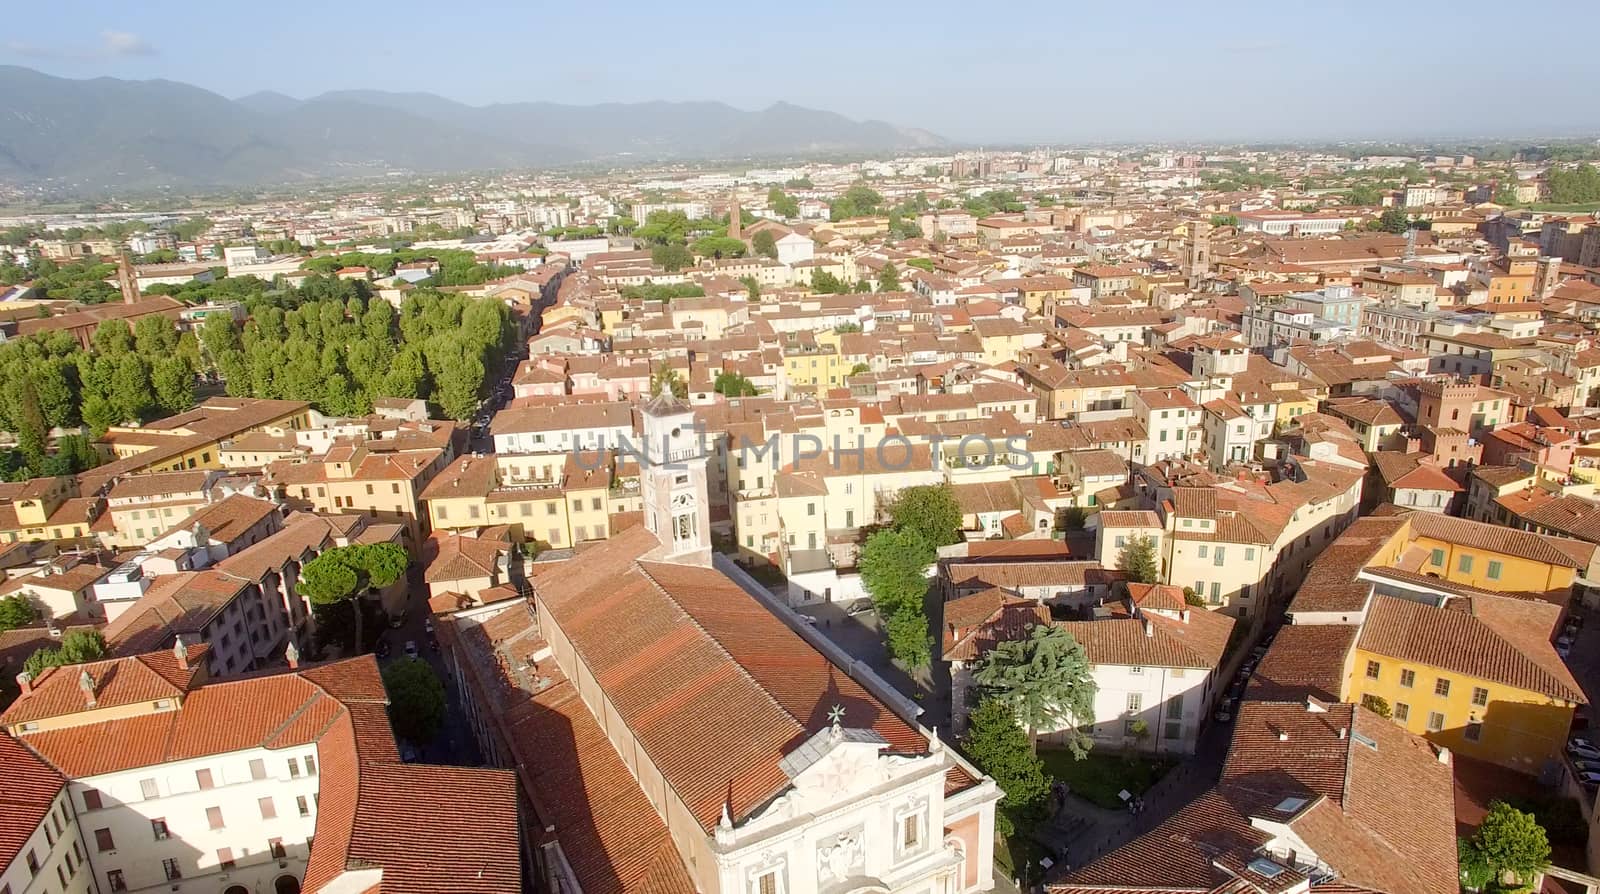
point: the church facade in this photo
(676, 734)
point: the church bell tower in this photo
(672, 479)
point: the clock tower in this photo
(672, 479)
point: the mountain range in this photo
(105, 132)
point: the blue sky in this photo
(977, 72)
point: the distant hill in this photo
(104, 132)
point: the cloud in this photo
(125, 43)
(112, 44)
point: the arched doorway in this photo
(236, 889)
(286, 884)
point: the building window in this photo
(204, 778)
(1372, 670)
(275, 847)
(1217, 556)
(148, 788)
(103, 841)
(1203, 550)
(304, 806)
(158, 828)
(225, 858)
(1408, 678)
(294, 768)
(170, 867)
(1480, 697)
(258, 768)
(91, 799)
(1441, 687)
(1402, 711)
(114, 880)
(1435, 721)
(767, 883)
(1464, 564)
(1494, 570)
(268, 809)
(1473, 732)
(1436, 558)
(214, 817)
(311, 765)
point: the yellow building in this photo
(1453, 623)
(553, 505)
(45, 509)
(1478, 680)
(813, 368)
(190, 440)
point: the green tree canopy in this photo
(764, 244)
(16, 611)
(1044, 679)
(732, 384)
(718, 247)
(1138, 559)
(1511, 841)
(889, 278)
(1003, 750)
(77, 647)
(929, 510)
(1392, 220)
(671, 258)
(416, 699)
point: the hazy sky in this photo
(979, 72)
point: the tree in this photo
(894, 566)
(16, 611)
(1138, 559)
(1392, 220)
(32, 429)
(889, 278)
(330, 581)
(1045, 681)
(1377, 704)
(1363, 194)
(998, 745)
(930, 510)
(416, 699)
(1073, 518)
(732, 384)
(764, 244)
(718, 247)
(671, 258)
(1224, 220)
(77, 647)
(666, 375)
(906, 633)
(782, 204)
(752, 286)
(858, 369)
(1510, 841)
(921, 264)
(173, 383)
(825, 283)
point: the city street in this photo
(455, 744)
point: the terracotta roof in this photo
(697, 645)
(1371, 800)
(1510, 541)
(1304, 660)
(1040, 573)
(28, 795)
(1487, 641)
(117, 682)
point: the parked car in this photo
(1563, 650)
(859, 607)
(1589, 780)
(1581, 742)
(427, 625)
(411, 649)
(1584, 752)
(1587, 766)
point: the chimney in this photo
(291, 654)
(1149, 628)
(86, 683)
(180, 652)
(1444, 755)
(25, 683)
(1342, 733)
(1283, 736)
